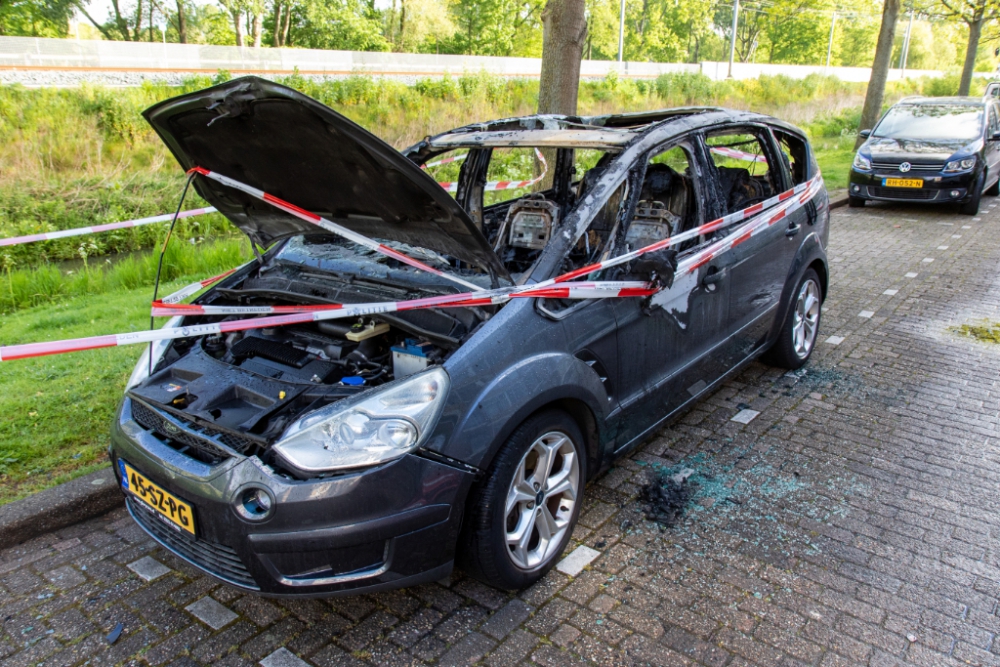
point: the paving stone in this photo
(149, 569)
(578, 559)
(851, 522)
(211, 613)
(283, 658)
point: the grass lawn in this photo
(834, 155)
(57, 410)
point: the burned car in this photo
(377, 452)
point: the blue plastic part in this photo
(411, 346)
(352, 380)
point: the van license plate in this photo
(903, 182)
(169, 506)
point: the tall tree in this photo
(564, 32)
(975, 14)
(880, 68)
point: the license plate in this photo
(169, 506)
(903, 182)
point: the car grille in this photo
(930, 166)
(902, 193)
(194, 440)
(216, 559)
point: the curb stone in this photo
(60, 506)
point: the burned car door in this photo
(665, 344)
(747, 168)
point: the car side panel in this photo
(518, 363)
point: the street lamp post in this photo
(732, 40)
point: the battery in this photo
(409, 358)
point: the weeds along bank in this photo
(85, 156)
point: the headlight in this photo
(141, 370)
(862, 163)
(960, 165)
(377, 426)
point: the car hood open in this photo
(289, 145)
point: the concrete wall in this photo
(31, 54)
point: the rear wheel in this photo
(521, 516)
(855, 202)
(798, 334)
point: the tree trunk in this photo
(276, 41)
(181, 23)
(880, 69)
(238, 26)
(258, 28)
(564, 30)
(288, 22)
(975, 31)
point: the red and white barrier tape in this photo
(559, 287)
(82, 231)
(447, 160)
(738, 154)
(331, 226)
(492, 186)
(194, 288)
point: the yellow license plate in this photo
(903, 182)
(168, 505)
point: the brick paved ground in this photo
(853, 522)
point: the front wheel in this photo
(798, 333)
(855, 202)
(971, 207)
(994, 189)
(520, 517)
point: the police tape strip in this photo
(447, 160)
(738, 154)
(330, 226)
(82, 231)
(558, 287)
(707, 228)
(334, 311)
(450, 186)
(194, 288)
(492, 186)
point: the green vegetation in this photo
(57, 410)
(988, 332)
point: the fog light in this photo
(254, 504)
(856, 188)
(955, 194)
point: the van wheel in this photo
(799, 332)
(520, 517)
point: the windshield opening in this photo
(931, 122)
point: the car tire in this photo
(855, 202)
(993, 190)
(800, 329)
(971, 207)
(497, 510)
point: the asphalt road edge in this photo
(58, 507)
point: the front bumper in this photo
(938, 188)
(386, 527)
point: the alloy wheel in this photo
(805, 321)
(541, 499)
